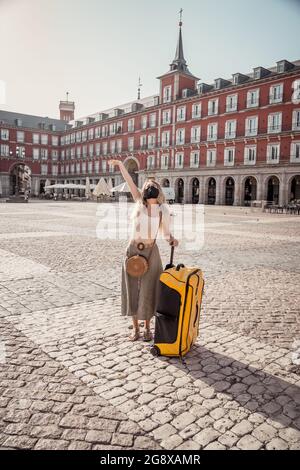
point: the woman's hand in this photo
(173, 242)
(114, 162)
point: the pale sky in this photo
(97, 49)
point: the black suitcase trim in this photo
(167, 314)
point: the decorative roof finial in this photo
(180, 17)
(139, 88)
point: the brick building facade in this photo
(229, 142)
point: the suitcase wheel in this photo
(155, 351)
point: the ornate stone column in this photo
(201, 189)
(283, 190)
(237, 191)
(218, 190)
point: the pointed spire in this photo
(179, 62)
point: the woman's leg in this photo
(136, 330)
(147, 332)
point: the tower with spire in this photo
(178, 78)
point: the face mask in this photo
(151, 192)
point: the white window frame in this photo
(151, 141)
(296, 120)
(179, 159)
(4, 134)
(230, 133)
(180, 136)
(247, 150)
(270, 159)
(164, 161)
(35, 153)
(165, 142)
(143, 141)
(248, 132)
(213, 106)
(279, 98)
(130, 144)
(196, 110)
(130, 125)
(227, 152)
(152, 120)
(144, 122)
(293, 157)
(35, 138)
(195, 134)
(150, 162)
(211, 136)
(274, 128)
(166, 116)
(20, 136)
(210, 162)
(253, 103)
(193, 163)
(167, 94)
(181, 113)
(231, 103)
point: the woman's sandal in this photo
(147, 335)
(135, 335)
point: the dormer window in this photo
(167, 94)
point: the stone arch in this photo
(210, 190)
(179, 190)
(249, 189)
(294, 187)
(228, 188)
(194, 189)
(165, 182)
(272, 188)
(132, 165)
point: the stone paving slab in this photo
(71, 379)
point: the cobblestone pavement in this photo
(70, 379)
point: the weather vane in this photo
(180, 16)
(139, 88)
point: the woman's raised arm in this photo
(132, 186)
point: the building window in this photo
(152, 120)
(151, 141)
(119, 145)
(104, 131)
(194, 159)
(4, 134)
(229, 156)
(296, 120)
(103, 166)
(251, 126)
(181, 113)
(97, 132)
(166, 116)
(131, 125)
(91, 133)
(78, 151)
(91, 150)
(164, 162)
(212, 131)
(195, 134)
(130, 144)
(250, 155)
(83, 167)
(97, 166)
(78, 136)
(231, 103)
(35, 138)
(20, 136)
(196, 110)
(4, 150)
(180, 136)
(213, 106)
(84, 136)
(104, 148)
(295, 152)
(98, 149)
(276, 93)
(253, 98)
(230, 129)
(167, 94)
(150, 162)
(35, 153)
(273, 153)
(143, 142)
(54, 170)
(44, 154)
(211, 157)
(54, 154)
(179, 160)
(165, 139)
(112, 146)
(84, 151)
(44, 169)
(55, 140)
(144, 122)
(90, 167)
(112, 128)
(44, 139)
(72, 153)
(274, 122)
(119, 128)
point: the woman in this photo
(139, 295)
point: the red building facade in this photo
(230, 142)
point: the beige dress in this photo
(139, 296)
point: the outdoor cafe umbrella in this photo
(109, 184)
(101, 188)
(121, 188)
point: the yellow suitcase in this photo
(178, 309)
